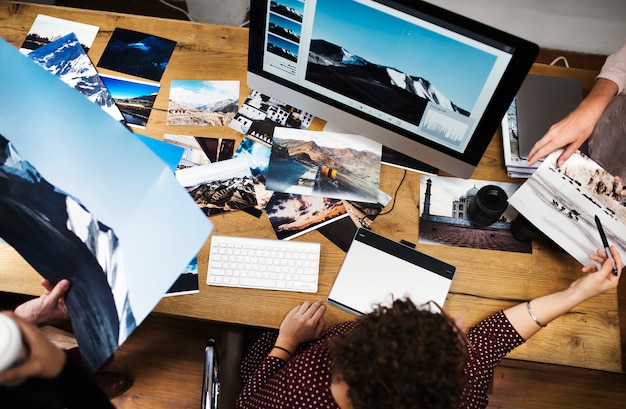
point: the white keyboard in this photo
(264, 263)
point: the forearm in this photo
(545, 309)
(594, 104)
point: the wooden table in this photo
(485, 281)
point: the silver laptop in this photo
(378, 270)
(542, 101)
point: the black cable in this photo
(394, 195)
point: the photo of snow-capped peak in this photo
(202, 103)
(61, 239)
(66, 59)
(325, 54)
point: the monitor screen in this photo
(421, 80)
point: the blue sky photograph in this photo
(195, 93)
(459, 72)
(122, 88)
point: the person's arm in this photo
(69, 381)
(573, 130)
(45, 360)
(303, 323)
(527, 321)
(49, 308)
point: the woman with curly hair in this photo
(401, 356)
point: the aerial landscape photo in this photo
(327, 164)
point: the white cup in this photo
(13, 352)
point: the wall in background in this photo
(588, 26)
(228, 12)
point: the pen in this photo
(605, 243)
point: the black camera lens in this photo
(523, 230)
(488, 206)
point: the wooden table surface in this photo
(485, 281)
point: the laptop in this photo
(542, 101)
(378, 270)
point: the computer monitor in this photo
(419, 79)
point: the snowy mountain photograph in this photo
(67, 59)
(58, 236)
(202, 103)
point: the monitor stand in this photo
(391, 157)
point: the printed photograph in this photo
(341, 231)
(139, 54)
(292, 215)
(260, 114)
(516, 166)
(445, 216)
(187, 283)
(310, 163)
(67, 59)
(202, 103)
(70, 219)
(258, 157)
(200, 150)
(170, 154)
(567, 199)
(134, 99)
(221, 186)
(60, 238)
(47, 29)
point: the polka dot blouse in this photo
(304, 380)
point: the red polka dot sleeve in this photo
(304, 380)
(301, 382)
(492, 339)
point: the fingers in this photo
(566, 154)
(59, 290)
(617, 258)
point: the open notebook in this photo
(378, 270)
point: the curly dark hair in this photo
(401, 357)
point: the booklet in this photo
(562, 202)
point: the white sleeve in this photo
(614, 68)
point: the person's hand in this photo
(45, 360)
(623, 193)
(49, 308)
(303, 323)
(575, 128)
(599, 280)
(570, 133)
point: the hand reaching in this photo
(569, 133)
(575, 128)
(49, 308)
(598, 280)
(303, 323)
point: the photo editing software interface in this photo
(428, 74)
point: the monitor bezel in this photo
(460, 164)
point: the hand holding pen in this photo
(605, 244)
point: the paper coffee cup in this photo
(12, 351)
